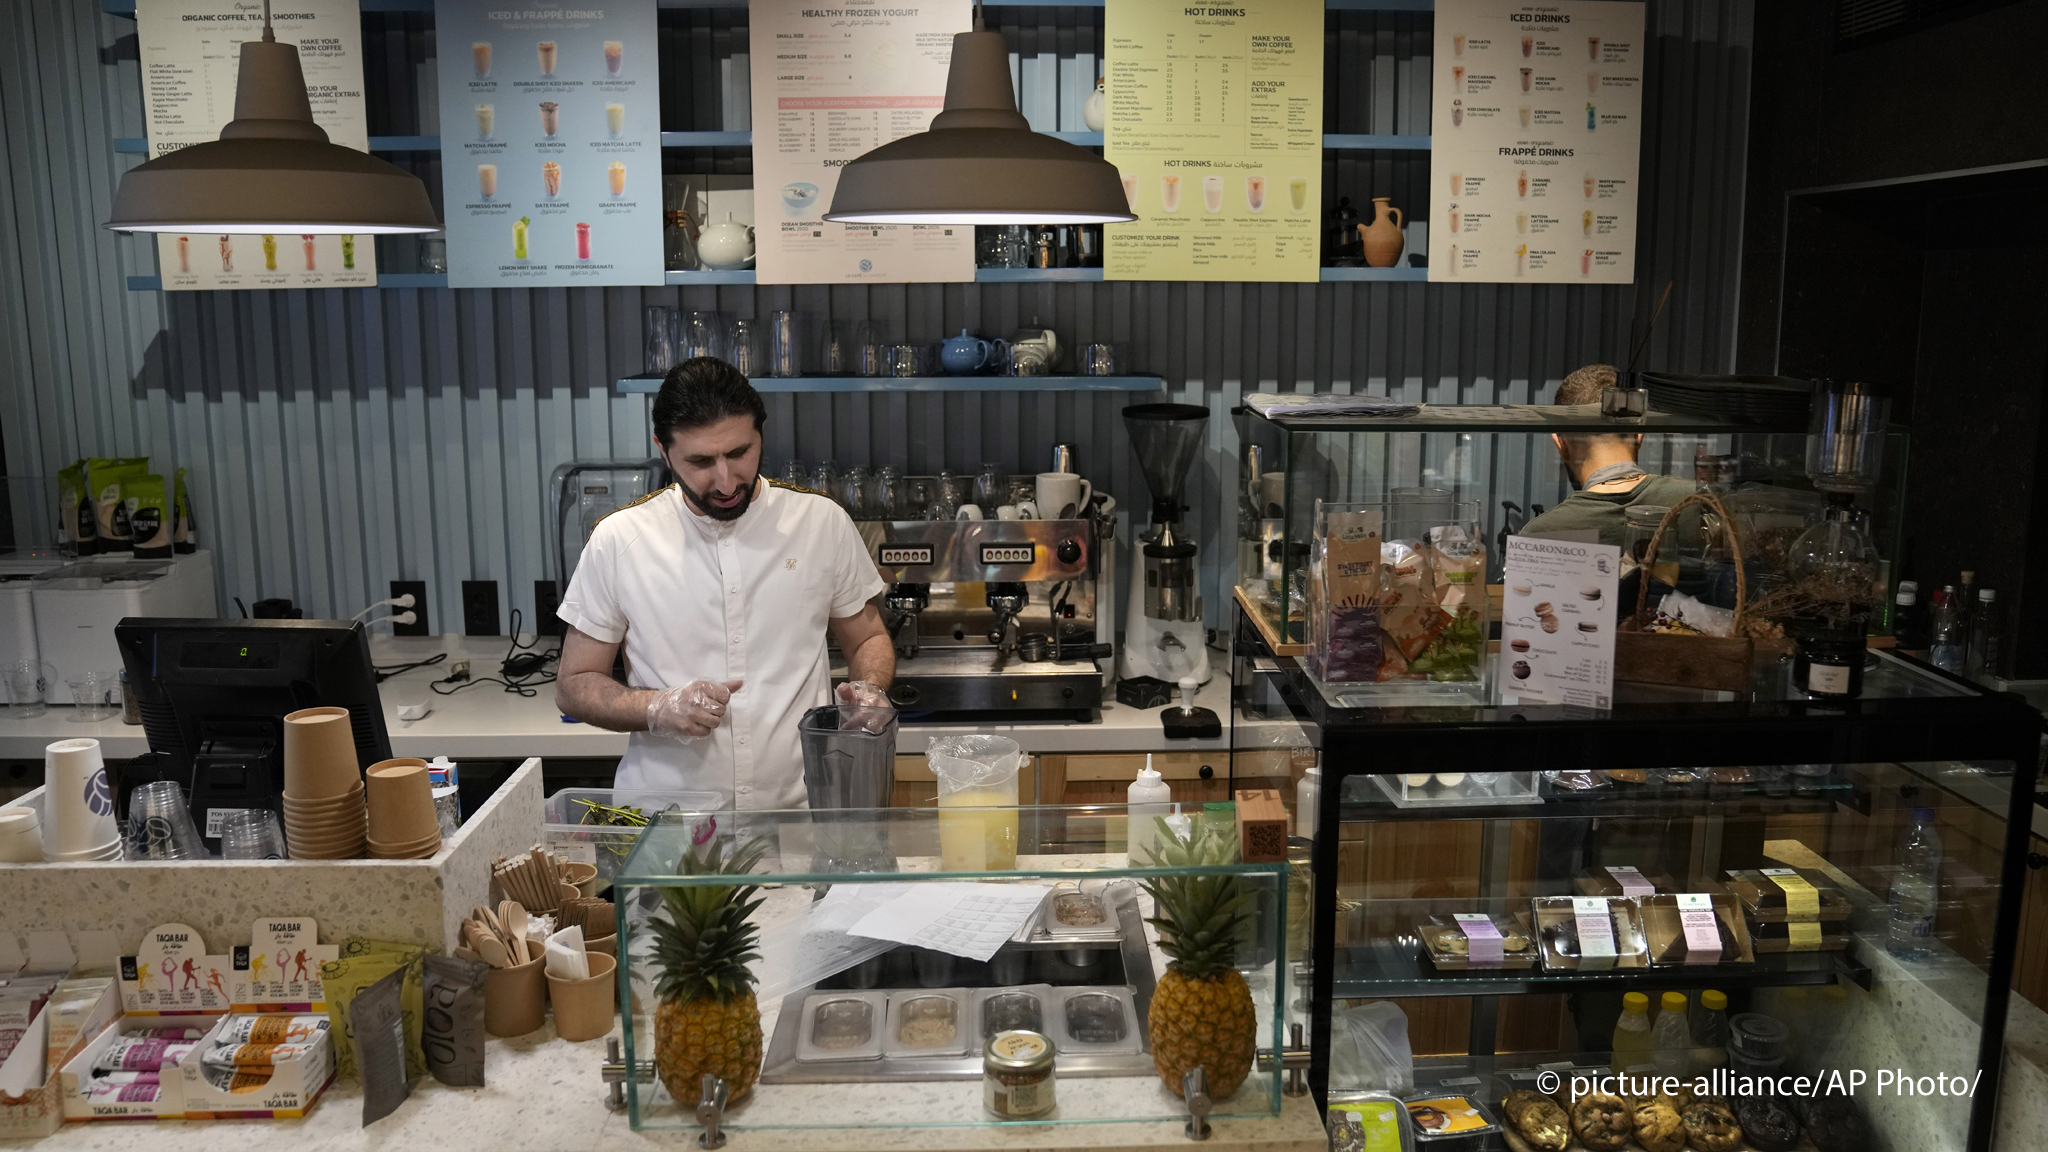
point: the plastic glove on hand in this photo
(869, 706)
(691, 711)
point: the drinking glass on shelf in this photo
(704, 334)
(825, 479)
(97, 696)
(991, 485)
(28, 683)
(853, 492)
(750, 348)
(661, 348)
(793, 473)
(890, 498)
(945, 502)
(785, 344)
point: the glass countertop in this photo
(921, 844)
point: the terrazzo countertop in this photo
(544, 1095)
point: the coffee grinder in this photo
(1164, 641)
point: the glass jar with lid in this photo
(1017, 1075)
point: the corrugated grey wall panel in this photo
(341, 439)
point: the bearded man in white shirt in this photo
(722, 589)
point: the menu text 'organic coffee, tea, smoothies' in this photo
(191, 55)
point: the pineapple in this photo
(707, 1020)
(1202, 1009)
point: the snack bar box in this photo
(64, 1027)
(292, 1088)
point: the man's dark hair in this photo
(704, 391)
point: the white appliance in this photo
(76, 607)
(17, 613)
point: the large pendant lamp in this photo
(272, 170)
(980, 162)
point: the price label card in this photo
(1632, 882)
(1702, 933)
(1596, 931)
(1484, 939)
(1802, 909)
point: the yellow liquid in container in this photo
(983, 839)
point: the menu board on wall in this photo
(550, 144)
(830, 84)
(1557, 622)
(191, 52)
(1215, 120)
(1536, 133)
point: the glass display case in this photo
(1471, 475)
(876, 968)
(1829, 887)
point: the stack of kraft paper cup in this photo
(324, 813)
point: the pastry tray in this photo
(1764, 902)
(1663, 927)
(1776, 936)
(1434, 936)
(1629, 946)
(1599, 882)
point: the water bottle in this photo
(1949, 640)
(1916, 890)
(1982, 660)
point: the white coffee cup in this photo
(1063, 495)
(1007, 512)
(78, 801)
(968, 512)
(21, 836)
(1027, 509)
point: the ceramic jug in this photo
(1092, 111)
(964, 354)
(726, 247)
(1383, 238)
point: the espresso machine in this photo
(1163, 634)
(994, 617)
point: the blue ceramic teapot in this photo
(964, 355)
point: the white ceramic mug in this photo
(1007, 512)
(1027, 509)
(968, 512)
(1063, 495)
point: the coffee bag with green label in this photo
(149, 516)
(104, 476)
(75, 514)
(184, 537)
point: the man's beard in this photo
(717, 512)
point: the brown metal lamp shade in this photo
(980, 162)
(272, 170)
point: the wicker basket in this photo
(1706, 662)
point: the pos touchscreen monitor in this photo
(214, 695)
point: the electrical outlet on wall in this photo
(480, 608)
(545, 600)
(418, 589)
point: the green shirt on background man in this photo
(1606, 512)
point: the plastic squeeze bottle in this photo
(1632, 1032)
(1710, 1031)
(1149, 797)
(1671, 1038)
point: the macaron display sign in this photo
(1557, 622)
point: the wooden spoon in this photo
(515, 924)
(493, 951)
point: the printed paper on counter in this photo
(1214, 120)
(191, 52)
(1535, 141)
(550, 144)
(830, 84)
(1557, 622)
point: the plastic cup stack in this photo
(160, 824)
(324, 812)
(403, 822)
(79, 803)
(252, 834)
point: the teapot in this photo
(1033, 351)
(964, 355)
(726, 247)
